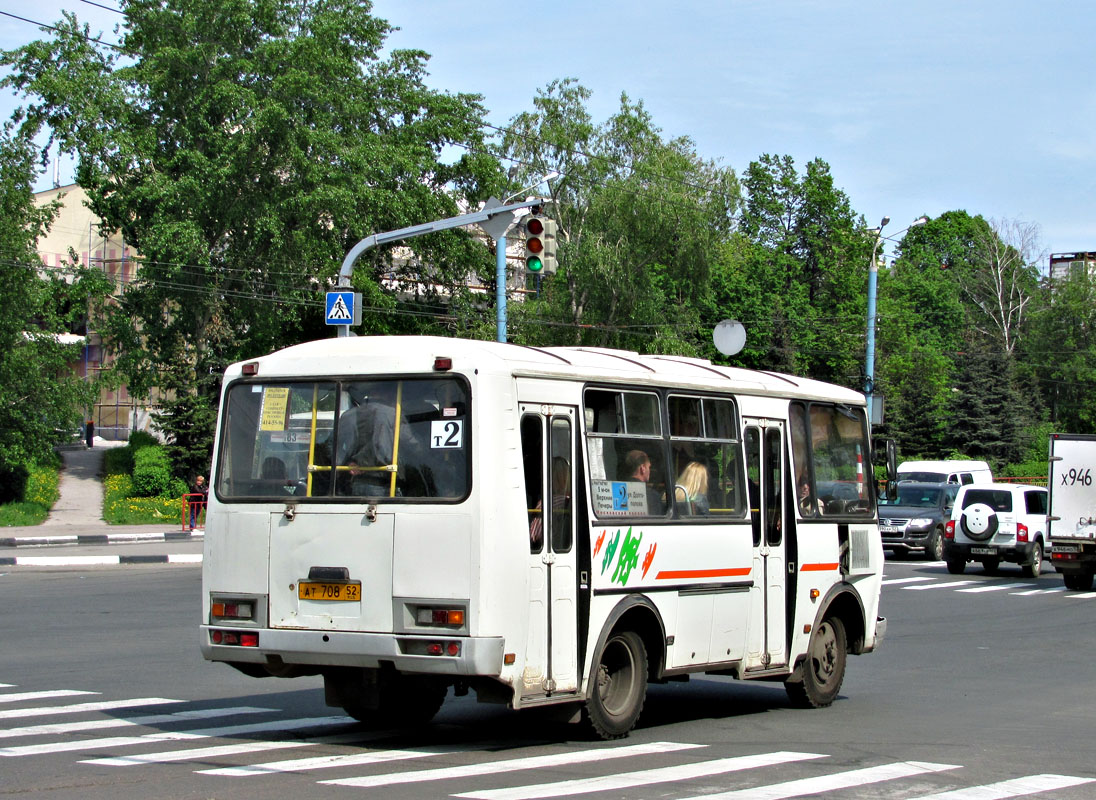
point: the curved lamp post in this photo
(873, 278)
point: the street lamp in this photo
(873, 278)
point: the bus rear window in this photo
(387, 439)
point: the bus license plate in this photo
(326, 590)
(983, 551)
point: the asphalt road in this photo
(983, 681)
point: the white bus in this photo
(544, 526)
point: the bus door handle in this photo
(548, 558)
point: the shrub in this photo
(119, 508)
(13, 482)
(152, 473)
(118, 460)
(139, 439)
(42, 486)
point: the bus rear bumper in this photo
(474, 655)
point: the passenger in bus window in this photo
(561, 502)
(366, 434)
(691, 490)
(806, 506)
(637, 465)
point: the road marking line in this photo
(947, 585)
(997, 587)
(1082, 595)
(204, 733)
(323, 762)
(167, 756)
(1040, 591)
(641, 778)
(496, 767)
(830, 783)
(76, 708)
(18, 697)
(894, 581)
(121, 722)
(1018, 787)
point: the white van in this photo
(961, 472)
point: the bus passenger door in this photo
(548, 454)
(765, 473)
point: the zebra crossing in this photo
(347, 759)
(979, 585)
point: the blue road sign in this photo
(343, 308)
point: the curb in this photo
(96, 561)
(99, 539)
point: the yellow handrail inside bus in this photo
(312, 441)
(396, 438)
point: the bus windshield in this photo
(382, 439)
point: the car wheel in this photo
(979, 522)
(934, 548)
(956, 566)
(1032, 569)
(990, 565)
(1078, 581)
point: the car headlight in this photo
(920, 522)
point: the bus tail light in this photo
(222, 609)
(449, 617)
(234, 638)
(1021, 532)
(949, 529)
(443, 649)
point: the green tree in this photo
(243, 147)
(796, 273)
(1060, 352)
(40, 394)
(922, 325)
(641, 220)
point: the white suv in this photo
(997, 522)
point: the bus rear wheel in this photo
(619, 685)
(824, 669)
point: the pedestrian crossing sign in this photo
(344, 308)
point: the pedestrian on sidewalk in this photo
(89, 432)
(199, 495)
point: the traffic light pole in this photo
(500, 288)
(488, 217)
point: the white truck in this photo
(1071, 516)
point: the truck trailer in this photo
(1071, 515)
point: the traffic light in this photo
(534, 241)
(540, 242)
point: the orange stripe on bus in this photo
(818, 567)
(670, 574)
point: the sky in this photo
(918, 108)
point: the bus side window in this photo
(532, 456)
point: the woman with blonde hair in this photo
(692, 489)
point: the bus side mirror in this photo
(885, 453)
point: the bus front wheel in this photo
(619, 685)
(824, 669)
